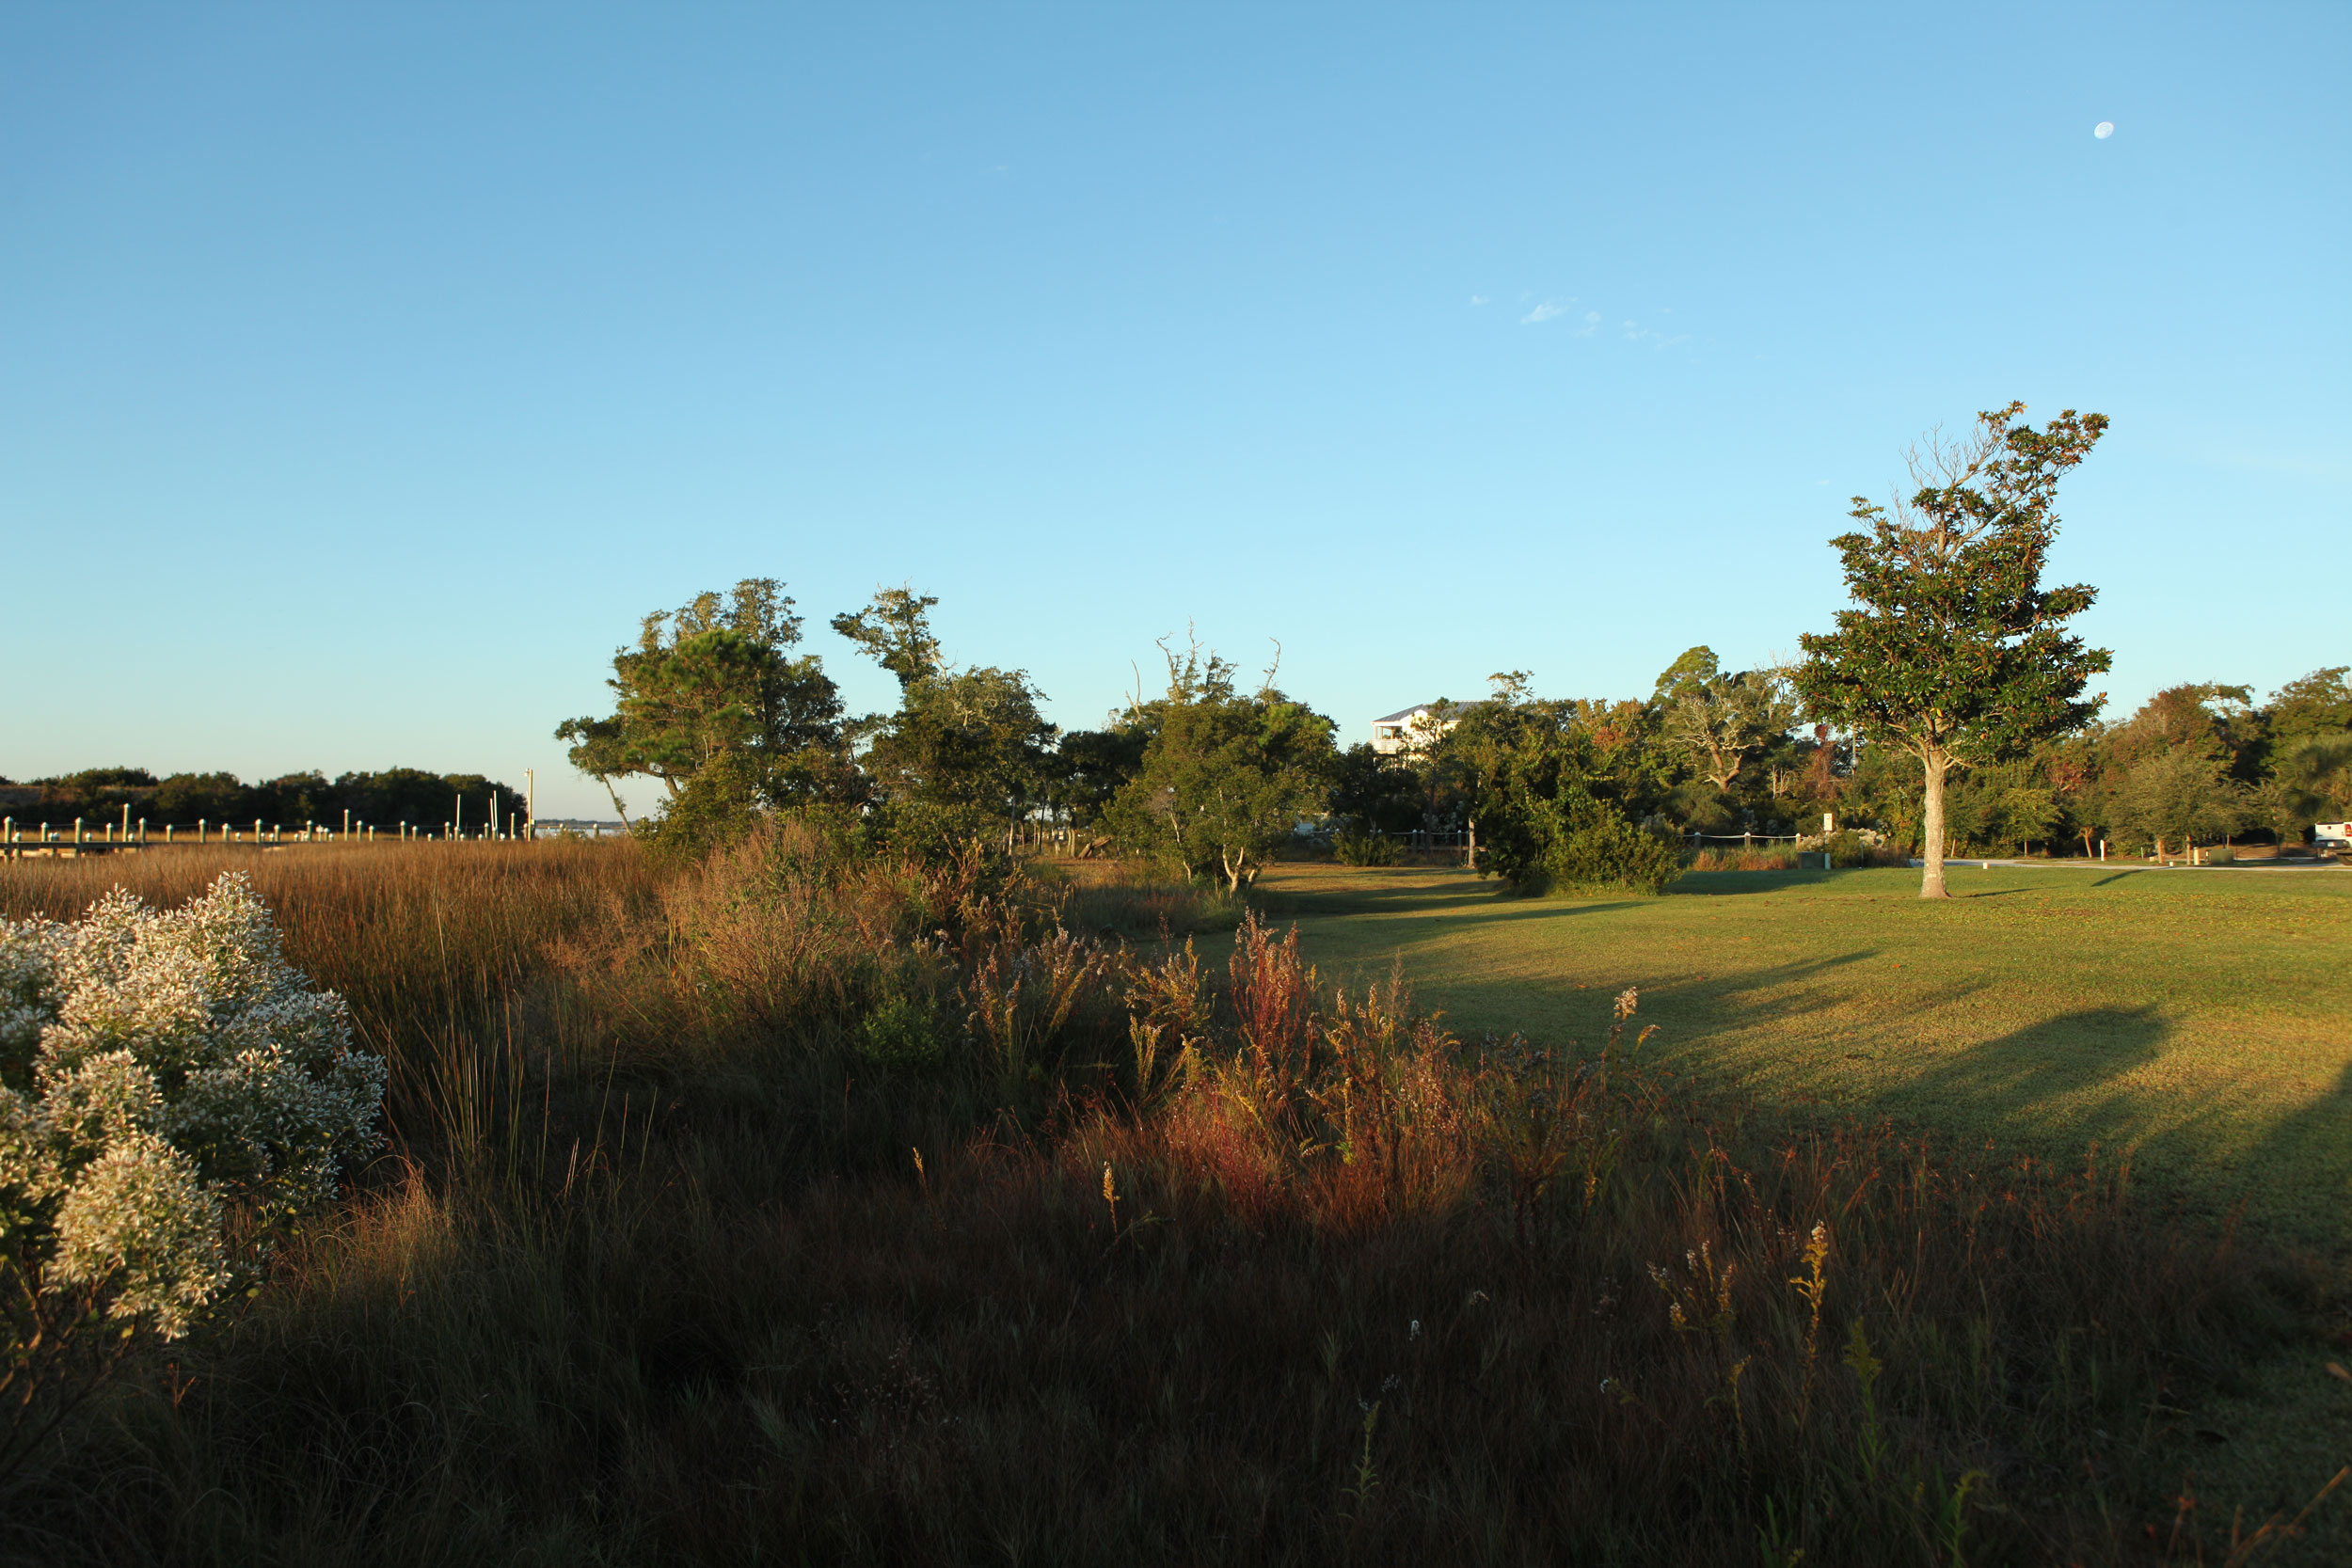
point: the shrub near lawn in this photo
(951, 1234)
(1608, 854)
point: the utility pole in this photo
(530, 807)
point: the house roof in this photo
(1451, 710)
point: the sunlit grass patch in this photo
(2203, 1018)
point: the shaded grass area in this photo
(1098, 1251)
(2202, 1019)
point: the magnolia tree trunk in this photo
(1931, 829)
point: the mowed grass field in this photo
(2202, 1019)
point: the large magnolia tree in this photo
(1953, 651)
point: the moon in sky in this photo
(2105, 129)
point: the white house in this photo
(1411, 729)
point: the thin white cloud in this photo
(1478, 299)
(1543, 312)
(1636, 333)
(1591, 323)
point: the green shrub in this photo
(901, 1032)
(1607, 854)
(1362, 846)
(716, 807)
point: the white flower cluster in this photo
(154, 1064)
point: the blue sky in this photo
(365, 373)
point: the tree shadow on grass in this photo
(1688, 1008)
(1739, 885)
(1371, 894)
(1694, 1007)
(1457, 897)
(2300, 1172)
(1988, 1084)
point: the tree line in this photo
(1947, 709)
(395, 795)
(717, 707)
(715, 704)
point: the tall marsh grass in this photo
(807, 1206)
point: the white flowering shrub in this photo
(156, 1065)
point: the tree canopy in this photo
(1719, 717)
(968, 754)
(1536, 784)
(1226, 776)
(713, 705)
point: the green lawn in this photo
(2203, 1017)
